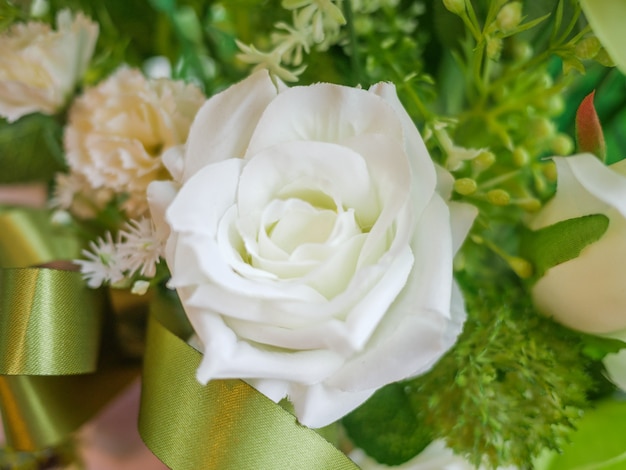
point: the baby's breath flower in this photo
(139, 248)
(102, 263)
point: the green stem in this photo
(355, 60)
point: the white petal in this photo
(423, 169)
(587, 293)
(462, 217)
(225, 356)
(420, 325)
(585, 186)
(160, 195)
(389, 167)
(319, 405)
(333, 114)
(205, 197)
(223, 126)
(329, 169)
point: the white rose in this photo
(308, 244)
(40, 67)
(118, 131)
(587, 293)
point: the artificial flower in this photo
(119, 130)
(41, 67)
(308, 243)
(587, 293)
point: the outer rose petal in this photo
(587, 293)
(414, 332)
(228, 120)
(424, 174)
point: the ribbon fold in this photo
(51, 325)
(226, 424)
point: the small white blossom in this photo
(295, 40)
(139, 248)
(102, 263)
(323, 15)
(268, 60)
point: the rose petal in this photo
(423, 170)
(596, 304)
(572, 198)
(333, 114)
(223, 126)
(327, 168)
(217, 183)
(414, 332)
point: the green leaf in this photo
(598, 443)
(30, 149)
(562, 241)
(398, 434)
(596, 347)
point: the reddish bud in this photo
(589, 136)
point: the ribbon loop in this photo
(49, 323)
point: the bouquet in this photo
(329, 234)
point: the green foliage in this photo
(9, 13)
(515, 383)
(398, 433)
(562, 241)
(596, 347)
(597, 444)
(30, 149)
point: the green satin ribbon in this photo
(27, 238)
(49, 323)
(225, 425)
(50, 330)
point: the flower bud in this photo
(562, 144)
(483, 161)
(520, 156)
(494, 47)
(542, 128)
(465, 186)
(455, 6)
(499, 197)
(530, 204)
(522, 50)
(549, 171)
(509, 17)
(589, 135)
(587, 48)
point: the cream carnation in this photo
(309, 245)
(119, 130)
(40, 67)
